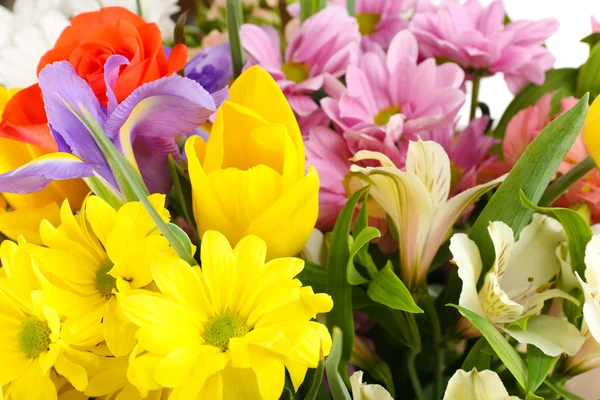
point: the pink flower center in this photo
(384, 115)
(367, 23)
(295, 72)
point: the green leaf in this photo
(235, 19)
(588, 75)
(313, 275)
(360, 242)
(540, 365)
(520, 323)
(479, 357)
(363, 256)
(560, 81)
(333, 367)
(351, 6)
(561, 391)
(105, 191)
(533, 396)
(306, 9)
(531, 173)
(337, 283)
(578, 231)
(317, 380)
(509, 356)
(387, 289)
(183, 238)
(181, 194)
(591, 39)
(130, 181)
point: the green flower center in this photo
(367, 23)
(34, 336)
(222, 328)
(384, 115)
(105, 283)
(295, 72)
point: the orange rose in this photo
(87, 44)
(95, 36)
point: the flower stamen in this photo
(34, 336)
(106, 284)
(222, 328)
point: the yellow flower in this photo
(28, 210)
(30, 332)
(91, 258)
(248, 179)
(230, 329)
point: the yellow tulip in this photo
(249, 177)
(591, 132)
(28, 210)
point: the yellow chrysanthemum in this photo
(31, 341)
(91, 258)
(228, 330)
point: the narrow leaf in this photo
(234, 21)
(351, 6)
(578, 231)
(183, 238)
(387, 289)
(560, 81)
(181, 193)
(509, 356)
(588, 81)
(337, 283)
(317, 379)
(532, 173)
(360, 242)
(314, 276)
(305, 9)
(561, 391)
(539, 366)
(479, 357)
(332, 365)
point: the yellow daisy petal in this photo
(219, 268)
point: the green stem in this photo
(556, 189)
(474, 95)
(414, 376)
(439, 349)
(138, 4)
(305, 9)
(234, 21)
(351, 6)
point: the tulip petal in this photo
(37, 174)
(591, 132)
(62, 87)
(552, 335)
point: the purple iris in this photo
(212, 68)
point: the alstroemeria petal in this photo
(37, 174)
(167, 107)
(61, 85)
(552, 335)
(484, 385)
(468, 260)
(431, 164)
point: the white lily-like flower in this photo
(416, 201)
(520, 281)
(591, 288)
(363, 391)
(484, 385)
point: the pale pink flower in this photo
(477, 38)
(378, 20)
(326, 43)
(595, 25)
(395, 94)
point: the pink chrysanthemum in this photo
(477, 38)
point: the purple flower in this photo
(212, 68)
(477, 38)
(142, 127)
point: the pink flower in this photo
(326, 43)
(468, 151)
(378, 20)
(326, 150)
(595, 25)
(394, 94)
(476, 38)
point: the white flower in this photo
(591, 288)
(484, 385)
(417, 202)
(520, 281)
(362, 391)
(26, 33)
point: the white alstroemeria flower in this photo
(159, 11)
(26, 34)
(484, 385)
(362, 391)
(591, 288)
(416, 200)
(519, 283)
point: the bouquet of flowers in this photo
(263, 200)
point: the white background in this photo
(574, 17)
